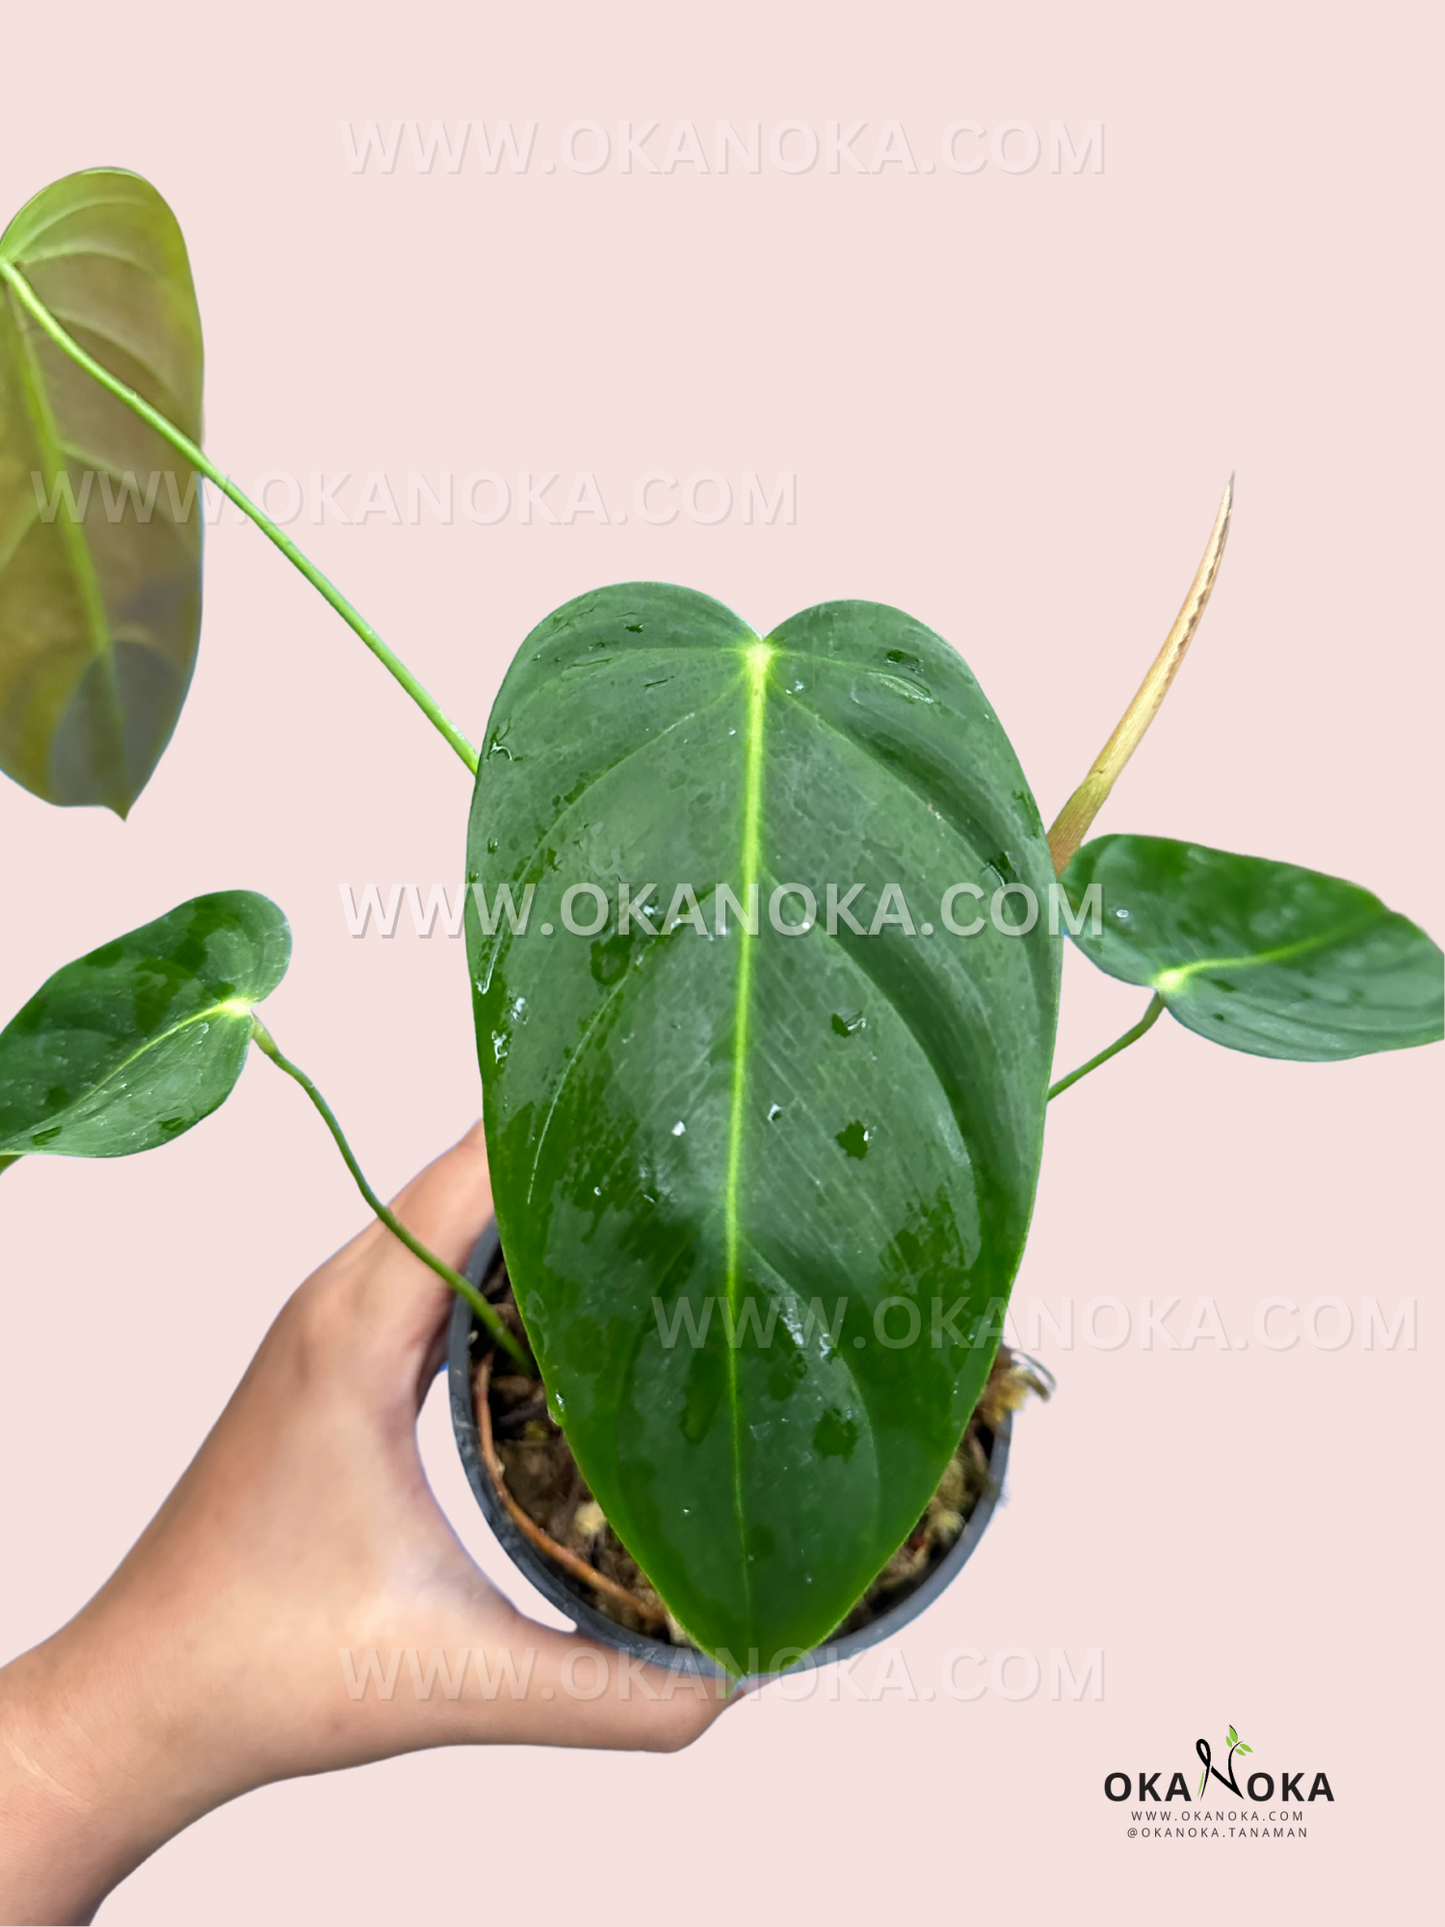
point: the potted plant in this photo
(764, 933)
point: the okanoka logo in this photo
(1236, 1745)
(1233, 1797)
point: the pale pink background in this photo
(1011, 404)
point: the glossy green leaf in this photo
(742, 1131)
(130, 1046)
(1260, 956)
(100, 520)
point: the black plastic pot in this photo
(556, 1585)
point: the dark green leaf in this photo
(752, 1128)
(128, 1047)
(100, 520)
(1260, 956)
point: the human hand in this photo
(211, 1663)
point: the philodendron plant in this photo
(764, 933)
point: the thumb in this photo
(579, 1692)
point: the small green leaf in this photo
(1233, 1737)
(1260, 956)
(1242, 1748)
(130, 1046)
(100, 520)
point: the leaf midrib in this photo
(1177, 977)
(227, 1007)
(72, 533)
(48, 440)
(757, 657)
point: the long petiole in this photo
(183, 444)
(487, 1313)
(1146, 1022)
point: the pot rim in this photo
(553, 1586)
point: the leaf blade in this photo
(1260, 956)
(100, 580)
(134, 1043)
(865, 1142)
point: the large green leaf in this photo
(1260, 956)
(128, 1047)
(778, 1122)
(100, 520)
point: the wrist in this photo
(86, 1792)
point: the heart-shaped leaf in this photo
(762, 1197)
(128, 1047)
(100, 520)
(1261, 956)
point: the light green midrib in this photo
(1177, 976)
(72, 534)
(229, 1006)
(757, 656)
(73, 542)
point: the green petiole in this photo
(1146, 1022)
(183, 444)
(463, 1288)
